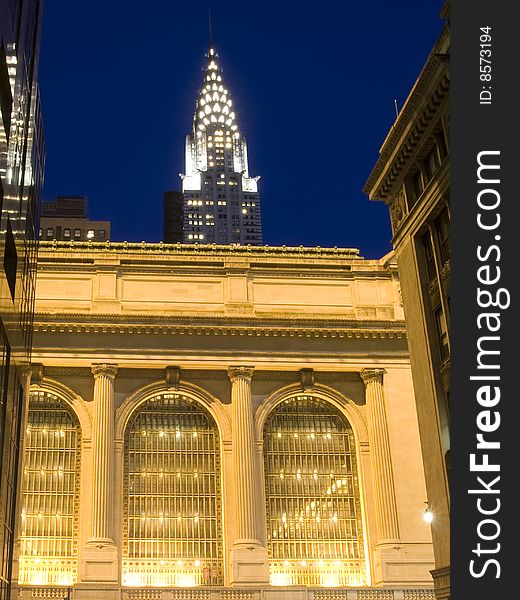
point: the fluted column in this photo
(243, 455)
(383, 478)
(102, 455)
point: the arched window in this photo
(314, 528)
(50, 505)
(172, 532)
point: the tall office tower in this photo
(221, 201)
(21, 178)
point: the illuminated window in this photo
(314, 527)
(90, 234)
(172, 531)
(77, 233)
(49, 523)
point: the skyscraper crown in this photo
(220, 200)
(214, 104)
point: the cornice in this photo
(198, 374)
(410, 125)
(338, 271)
(346, 329)
(195, 251)
(263, 320)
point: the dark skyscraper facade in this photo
(172, 217)
(221, 200)
(21, 179)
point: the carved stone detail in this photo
(306, 379)
(398, 209)
(37, 374)
(236, 373)
(368, 375)
(104, 369)
(172, 376)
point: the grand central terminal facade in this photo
(220, 423)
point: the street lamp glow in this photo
(428, 516)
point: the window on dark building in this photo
(430, 259)
(431, 162)
(442, 333)
(442, 226)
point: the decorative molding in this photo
(400, 294)
(37, 373)
(369, 375)
(240, 372)
(212, 404)
(172, 376)
(306, 379)
(232, 252)
(343, 403)
(106, 369)
(398, 210)
(59, 372)
(378, 330)
(74, 401)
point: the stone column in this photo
(386, 551)
(249, 557)
(102, 455)
(386, 510)
(99, 559)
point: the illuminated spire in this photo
(214, 104)
(217, 171)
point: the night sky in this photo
(313, 87)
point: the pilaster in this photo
(99, 558)
(248, 556)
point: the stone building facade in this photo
(412, 176)
(230, 422)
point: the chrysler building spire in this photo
(220, 200)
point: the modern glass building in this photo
(21, 178)
(221, 200)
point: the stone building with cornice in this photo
(412, 176)
(221, 423)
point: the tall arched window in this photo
(315, 534)
(50, 505)
(172, 532)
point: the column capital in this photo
(236, 373)
(37, 373)
(106, 369)
(368, 375)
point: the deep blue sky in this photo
(313, 87)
